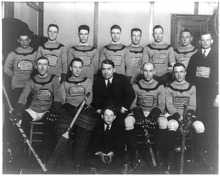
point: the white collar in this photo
(206, 51)
(105, 126)
(106, 81)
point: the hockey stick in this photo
(26, 140)
(62, 142)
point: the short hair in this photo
(185, 30)
(111, 108)
(42, 58)
(206, 33)
(158, 26)
(76, 60)
(136, 29)
(25, 32)
(145, 63)
(53, 25)
(109, 62)
(179, 65)
(83, 27)
(115, 26)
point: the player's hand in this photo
(123, 110)
(102, 156)
(110, 155)
(216, 101)
(99, 111)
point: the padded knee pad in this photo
(172, 125)
(198, 126)
(129, 122)
(162, 122)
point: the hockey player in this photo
(114, 51)
(55, 52)
(134, 55)
(161, 54)
(184, 52)
(71, 94)
(86, 52)
(149, 103)
(41, 87)
(179, 93)
(19, 64)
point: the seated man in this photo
(69, 97)
(107, 145)
(180, 97)
(42, 88)
(148, 104)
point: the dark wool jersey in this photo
(89, 56)
(116, 53)
(184, 54)
(56, 54)
(42, 92)
(179, 94)
(149, 95)
(134, 60)
(162, 55)
(19, 65)
(73, 91)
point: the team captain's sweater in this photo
(89, 56)
(162, 55)
(73, 91)
(116, 53)
(134, 60)
(149, 95)
(184, 54)
(19, 65)
(42, 91)
(56, 54)
(179, 94)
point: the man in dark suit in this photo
(111, 88)
(106, 143)
(203, 72)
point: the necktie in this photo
(108, 83)
(204, 53)
(107, 128)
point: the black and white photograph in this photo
(110, 87)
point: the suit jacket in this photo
(120, 93)
(107, 141)
(206, 86)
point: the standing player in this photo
(161, 55)
(185, 51)
(19, 64)
(134, 55)
(88, 54)
(115, 51)
(149, 103)
(55, 52)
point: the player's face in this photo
(83, 36)
(115, 34)
(24, 41)
(148, 71)
(158, 35)
(76, 68)
(52, 33)
(179, 73)
(42, 66)
(136, 37)
(108, 116)
(186, 38)
(107, 71)
(206, 41)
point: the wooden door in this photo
(195, 23)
